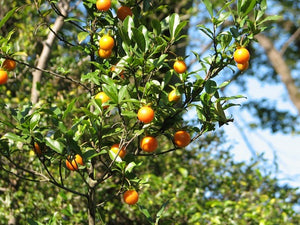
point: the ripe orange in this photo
(115, 149)
(174, 96)
(79, 159)
(243, 66)
(131, 197)
(9, 64)
(103, 5)
(149, 144)
(72, 164)
(241, 55)
(3, 76)
(104, 54)
(145, 114)
(106, 42)
(179, 66)
(123, 12)
(182, 138)
(103, 97)
(37, 149)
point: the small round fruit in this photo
(9, 64)
(3, 76)
(243, 66)
(145, 114)
(71, 164)
(149, 144)
(174, 96)
(103, 97)
(37, 149)
(103, 5)
(130, 197)
(115, 149)
(179, 66)
(182, 138)
(241, 55)
(78, 159)
(123, 12)
(104, 54)
(106, 42)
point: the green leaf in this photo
(211, 87)
(209, 7)
(173, 24)
(14, 137)
(69, 108)
(179, 28)
(34, 120)
(55, 145)
(82, 36)
(224, 84)
(270, 18)
(139, 38)
(130, 167)
(114, 156)
(156, 27)
(161, 210)
(122, 93)
(7, 16)
(247, 6)
(146, 213)
(184, 172)
(206, 31)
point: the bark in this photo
(63, 7)
(281, 68)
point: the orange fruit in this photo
(182, 138)
(3, 76)
(9, 64)
(106, 42)
(37, 149)
(145, 114)
(243, 66)
(179, 66)
(149, 144)
(123, 12)
(78, 159)
(103, 97)
(131, 197)
(72, 164)
(103, 5)
(174, 96)
(104, 54)
(115, 148)
(241, 55)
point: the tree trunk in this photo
(91, 206)
(281, 68)
(63, 7)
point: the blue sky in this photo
(283, 148)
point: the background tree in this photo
(67, 120)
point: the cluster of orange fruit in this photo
(241, 56)
(146, 115)
(7, 65)
(122, 12)
(107, 42)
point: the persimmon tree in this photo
(65, 119)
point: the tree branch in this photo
(42, 62)
(281, 68)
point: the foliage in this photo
(68, 120)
